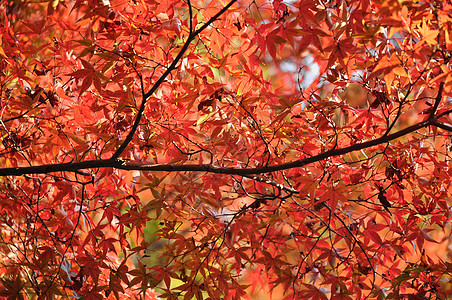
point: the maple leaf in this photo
(428, 35)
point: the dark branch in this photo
(437, 100)
(443, 126)
(126, 165)
(155, 87)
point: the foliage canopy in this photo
(209, 150)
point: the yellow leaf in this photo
(429, 36)
(204, 118)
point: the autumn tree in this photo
(216, 150)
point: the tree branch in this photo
(154, 88)
(437, 100)
(127, 165)
(444, 126)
